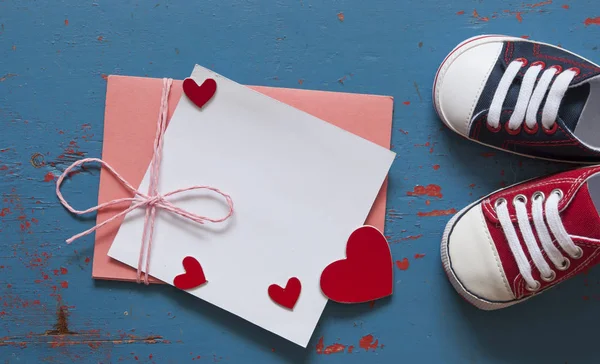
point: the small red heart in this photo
(367, 272)
(288, 296)
(199, 94)
(193, 276)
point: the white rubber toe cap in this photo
(461, 80)
(474, 260)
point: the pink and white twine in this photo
(150, 201)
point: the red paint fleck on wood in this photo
(3, 168)
(366, 342)
(34, 220)
(9, 285)
(460, 12)
(472, 185)
(5, 211)
(485, 18)
(436, 167)
(4, 150)
(429, 190)
(64, 284)
(334, 348)
(565, 6)
(437, 213)
(590, 21)
(104, 76)
(412, 237)
(541, 3)
(100, 38)
(49, 177)
(350, 349)
(300, 81)
(87, 260)
(427, 202)
(63, 271)
(475, 13)
(403, 131)
(320, 345)
(525, 37)
(66, 21)
(340, 16)
(150, 356)
(419, 256)
(403, 264)
(136, 358)
(519, 17)
(487, 154)
(406, 102)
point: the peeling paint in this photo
(366, 342)
(7, 76)
(437, 213)
(403, 264)
(431, 190)
(412, 237)
(588, 21)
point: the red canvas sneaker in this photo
(524, 239)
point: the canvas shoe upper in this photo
(524, 239)
(522, 96)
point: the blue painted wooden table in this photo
(54, 58)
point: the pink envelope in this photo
(132, 105)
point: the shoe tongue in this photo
(573, 104)
(581, 215)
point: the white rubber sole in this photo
(453, 55)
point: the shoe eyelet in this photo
(576, 70)
(511, 131)
(558, 68)
(499, 202)
(579, 253)
(538, 194)
(552, 130)
(523, 61)
(520, 198)
(532, 131)
(492, 129)
(533, 289)
(551, 278)
(559, 192)
(538, 63)
(565, 265)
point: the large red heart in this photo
(199, 94)
(193, 276)
(367, 272)
(288, 296)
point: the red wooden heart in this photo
(367, 272)
(288, 296)
(193, 276)
(199, 94)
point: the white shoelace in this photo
(554, 221)
(531, 95)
